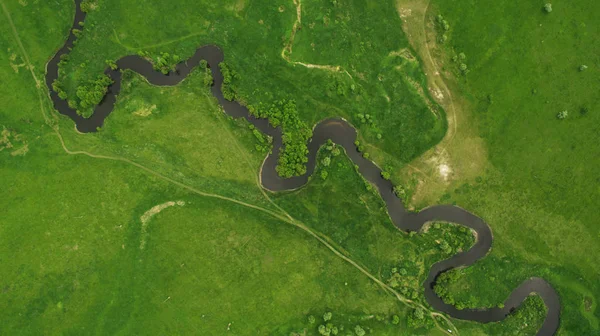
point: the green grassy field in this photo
(377, 75)
(80, 253)
(539, 191)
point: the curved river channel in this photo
(343, 134)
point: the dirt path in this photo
(287, 49)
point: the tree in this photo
(562, 115)
(311, 319)
(399, 191)
(327, 316)
(324, 174)
(395, 319)
(548, 7)
(326, 162)
(385, 175)
(359, 331)
(323, 330)
(583, 67)
(112, 64)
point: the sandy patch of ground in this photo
(461, 156)
(21, 151)
(145, 218)
(145, 111)
(12, 140)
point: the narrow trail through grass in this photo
(284, 216)
(287, 49)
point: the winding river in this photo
(342, 133)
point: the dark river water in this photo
(343, 134)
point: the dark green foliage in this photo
(87, 5)
(112, 64)
(165, 62)
(229, 75)
(284, 113)
(91, 94)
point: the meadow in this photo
(343, 63)
(537, 185)
(80, 256)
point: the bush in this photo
(359, 331)
(562, 115)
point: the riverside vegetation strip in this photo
(342, 134)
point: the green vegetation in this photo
(341, 60)
(96, 244)
(539, 189)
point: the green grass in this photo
(540, 193)
(253, 35)
(70, 233)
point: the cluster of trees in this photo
(461, 61)
(88, 95)
(208, 79)
(57, 86)
(91, 94)
(165, 62)
(442, 289)
(111, 64)
(263, 142)
(326, 326)
(332, 149)
(284, 113)
(228, 89)
(417, 319)
(87, 5)
(443, 26)
(449, 242)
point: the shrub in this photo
(562, 115)
(359, 331)
(548, 7)
(583, 67)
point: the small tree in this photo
(385, 175)
(583, 67)
(311, 319)
(326, 162)
(395, 319)
(327, 316)
(359, 331)
(548, 7)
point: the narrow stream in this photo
(343, 134)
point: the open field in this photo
(158, 221)
(538, 183)
(376, 74)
